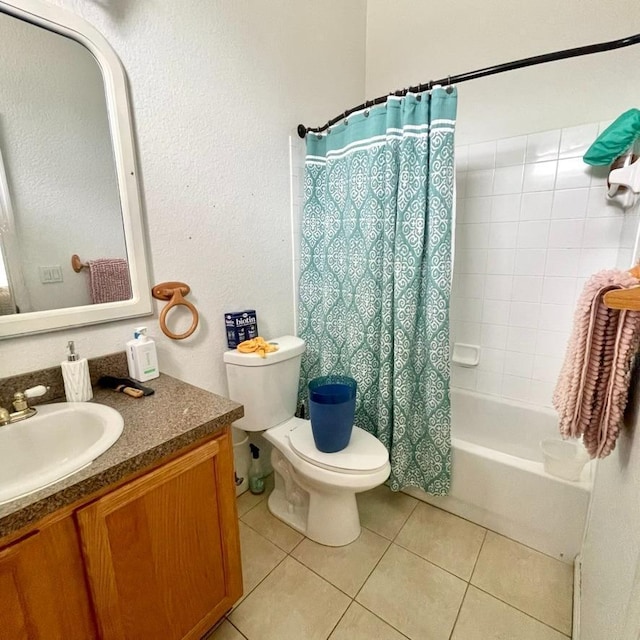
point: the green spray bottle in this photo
(256, 481)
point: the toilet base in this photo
(326, 516)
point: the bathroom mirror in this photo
(68, 177)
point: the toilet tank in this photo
(267, 387)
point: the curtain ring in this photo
(174, 292)
(366, 113)
(449, 88)
(346, 116)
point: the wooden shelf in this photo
(625, 299)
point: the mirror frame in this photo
(68, 24)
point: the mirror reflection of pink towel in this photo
(109, 280)
(593, 387)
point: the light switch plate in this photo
(49, 275)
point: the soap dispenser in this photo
(75, 374)
(142, 358)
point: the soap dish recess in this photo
(466, 355)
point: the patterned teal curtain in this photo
(375, 275)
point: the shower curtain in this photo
(375, 275)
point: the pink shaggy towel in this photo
(592, 389)
(109, 280)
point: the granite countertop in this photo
(155, 426)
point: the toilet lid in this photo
(364, 453)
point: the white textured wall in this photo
(57, 153)
(611, 553)
(217, 87)
(411, 41)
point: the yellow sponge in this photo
(257, 345)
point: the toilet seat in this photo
(363, 455)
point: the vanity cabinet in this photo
(42, 586)
(157, 557)
(161, 557)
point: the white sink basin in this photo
(59, 440)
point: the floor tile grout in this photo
(431, 562)
(246, 595)
(509, 604)
(487, 529)
(466, 590)
(526, 546)
(493, 595)
(475, 564)
(367, 580)
(455, 622)
(322, 577)
(335, 626)
(434, 563)
(275, 544)
(236, 628)
(392, 541)
(373, 613)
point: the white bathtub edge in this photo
(577, 592)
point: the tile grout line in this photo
(276, 545)
(466, 590)
(246, 595)
(437, 566)
(391, 542)
(236, 628)
(495, 597)
(373, 613)
(251, 508)
(335, 626)
(522, 544)
(322, 577)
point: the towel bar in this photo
(174, 292)
(626, 299)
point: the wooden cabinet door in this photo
(43, 593)
(162, 552)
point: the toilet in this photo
(314, 492)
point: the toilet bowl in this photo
(315, 492)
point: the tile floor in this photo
(415, 572)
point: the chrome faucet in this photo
(21, 405)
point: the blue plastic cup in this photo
(332, 408)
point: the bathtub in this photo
(498, 479)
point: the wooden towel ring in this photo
(174, 292)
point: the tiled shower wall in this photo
(532, 224)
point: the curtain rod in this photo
(481, 73)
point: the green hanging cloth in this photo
(375, 275)
(615, 139)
